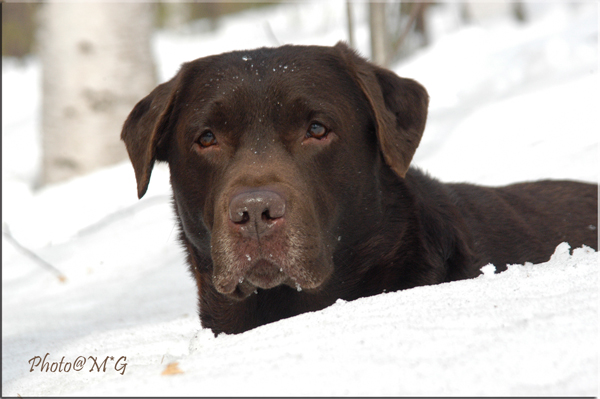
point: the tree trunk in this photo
(350, 20)
(97, 64)
(378, 29)
(177, 14)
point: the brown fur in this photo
(277, 222)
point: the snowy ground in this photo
(508, 103)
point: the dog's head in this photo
(275, 156)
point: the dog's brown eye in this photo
(317, 131)
(207, 139)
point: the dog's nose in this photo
(257, 212)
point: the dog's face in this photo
(268, 150)
(253, 158)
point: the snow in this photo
(509, 103)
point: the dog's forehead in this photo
(272, 85)
(310, 70)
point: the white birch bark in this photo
(97, 63)
(379, 39)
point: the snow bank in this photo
(531, 330)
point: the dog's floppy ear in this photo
(399, 107)
(145, 130)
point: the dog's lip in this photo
(260, 273)
(242, 290)
(253, 269)
(265, 274)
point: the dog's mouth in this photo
(242, 267)
(262, 274)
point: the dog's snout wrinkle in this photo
(256, 212)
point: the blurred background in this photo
(509, 84)
(98, 59)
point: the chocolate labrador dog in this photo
(292, 187)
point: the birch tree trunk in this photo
(350, 26)
(379, 39)
(97, 63)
